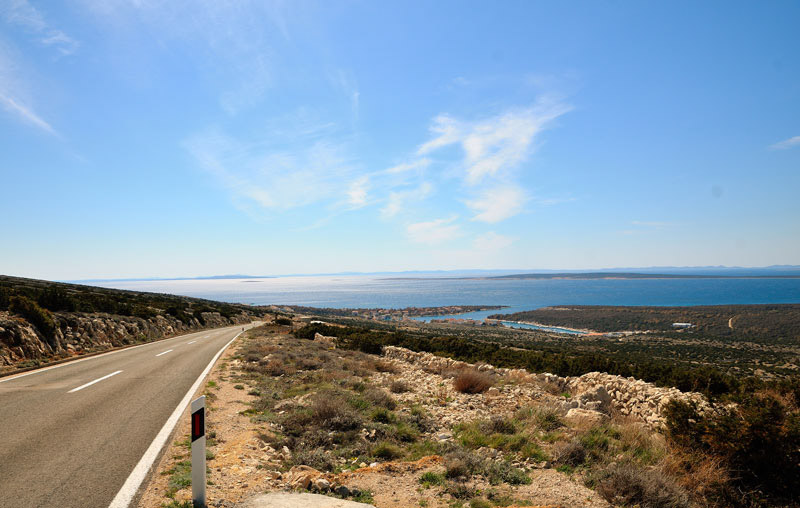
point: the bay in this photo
(359, 291)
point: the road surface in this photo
(72, 434)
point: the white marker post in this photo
(199, 452)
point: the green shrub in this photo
(499, 425)
(55, 299)
(382, 415)
(387, 451)
(504, 472)
(430, 478)
(35, 315)
(379, 397)
(5, 296)
(757, 439)
(547, 419)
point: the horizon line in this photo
(440, 271)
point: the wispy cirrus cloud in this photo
(26, 114)
(494, 145)
(357, 192)
(397, 200)
(651, 224)
(409, 166)
(282, 168)
(235, 46)
(22, 14)
(497, 204)
(15, 93)
(786, 144)
(492, 241)
(435, 231)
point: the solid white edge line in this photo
(72, 362)
(139, 473)
(165, 352)
(90, 383)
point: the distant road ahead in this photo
(71, 435)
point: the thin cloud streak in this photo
(21, 13)
(434, 232)
(26, 114)
(786, 144)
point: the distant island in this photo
(611, 275)
(631, 275)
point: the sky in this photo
(183, 138)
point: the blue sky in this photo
(143, 138)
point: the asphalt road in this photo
(67, 443)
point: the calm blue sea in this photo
(518, 295)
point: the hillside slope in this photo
(41, 321)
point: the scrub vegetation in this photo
(35, 300)
(746, 453)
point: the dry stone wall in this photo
(595, 391)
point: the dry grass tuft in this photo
(570, 453)
(399, 386)
(472, 381)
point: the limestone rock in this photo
(584, 418)
(300, 477)
(329, 342)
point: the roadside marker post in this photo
(199, 452)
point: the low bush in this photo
(472, 381)
(399, 386)
(570, 453)
(332, 412)
(503, 472)
(430, 478)
(382, 415)
(387, 451)
(547, 419)
(380, 398)
(461, 463)
(632, 485)
(314, 457)
(499, 425)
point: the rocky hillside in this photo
(42, 321)
(591, 394)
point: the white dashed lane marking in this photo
(164, 352)
(90, 383)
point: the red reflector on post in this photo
(198, 424)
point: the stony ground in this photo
(393, 431)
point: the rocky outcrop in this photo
(77, 333)
(325, 340)
(596, 391)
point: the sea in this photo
(368, 291)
